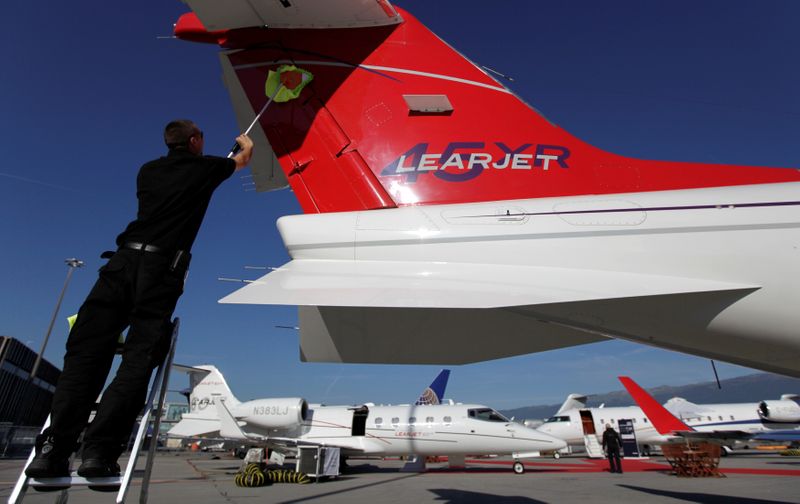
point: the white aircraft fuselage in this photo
(710, 272)
(408, 429)
(571, 425)
(367, 429)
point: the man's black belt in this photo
(179, 258)
(144, 247)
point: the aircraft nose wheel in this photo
(518, 467)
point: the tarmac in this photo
(200, 478)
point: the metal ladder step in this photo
(75, 480)
(119, 484)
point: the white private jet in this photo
(446, 221)
(283, 424)
(579, 426)
(774, 420)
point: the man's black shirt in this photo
(611, 440)
(173, 193)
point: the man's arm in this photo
(244, 155)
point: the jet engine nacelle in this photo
(779, 411)
(282, 413)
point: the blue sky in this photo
(87, 88)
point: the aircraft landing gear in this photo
(518, 467)
(556, 455)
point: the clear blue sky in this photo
(87, 88)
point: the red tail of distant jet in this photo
(664, 421)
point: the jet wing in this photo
(694, 435)
(232, 14)
(781, 435)
(420, 284)
(448, 313)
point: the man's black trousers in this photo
(614, 463)
(136, 289)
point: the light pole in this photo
(73, 264)
(21, 412)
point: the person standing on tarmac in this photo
(138, 287)
(611, 444)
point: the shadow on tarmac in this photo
(702, 497)
(350, 489)
(452, 496)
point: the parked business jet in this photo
(765, 420)
(579, 426)
(446, 221)
(455, 430)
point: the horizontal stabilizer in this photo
(573, 401)
(232, 14)
(193, 427)
(229, 427)
(190, 369)
(417, 284)
(682, 408)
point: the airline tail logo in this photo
(462, 161)
(428, 397)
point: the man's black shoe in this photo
(50, 460)
(98, 468)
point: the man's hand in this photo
(244, 155)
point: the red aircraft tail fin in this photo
(395, 116)
(664, 421)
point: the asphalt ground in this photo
(200, 478)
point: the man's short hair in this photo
(178, 132)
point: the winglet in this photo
(664, 421)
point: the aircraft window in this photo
(732, 417)
(487, 414)
(602, 421)
(378, 421)
(720, 417)
(557, 419)
(447, 420)
(709, 419)
(644, 419)
(429, 420)
(395, 421)
(634, 420)
(412, 420)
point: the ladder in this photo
(593, 448)
(151, 414)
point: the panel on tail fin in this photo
(267, 173)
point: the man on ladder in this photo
(138, 287)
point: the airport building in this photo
(24, 401)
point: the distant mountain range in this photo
(749, 388)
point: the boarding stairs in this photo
(152, 415)
(593, 448)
